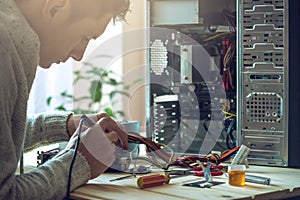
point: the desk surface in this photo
(285, 182)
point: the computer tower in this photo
(267, 93)
(230, 69)
(294, 84)
(184, 71)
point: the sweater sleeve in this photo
(45, 128)
(50, 180)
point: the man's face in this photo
(62, 37)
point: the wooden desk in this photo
(285, 183)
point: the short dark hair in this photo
(119, 9)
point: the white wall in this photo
(134, 61)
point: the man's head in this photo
(65, 27)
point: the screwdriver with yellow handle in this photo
(153, 180)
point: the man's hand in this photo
(115, 132)
(97, 142)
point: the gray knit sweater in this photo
(19, 50)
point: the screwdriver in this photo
(153, 180)
(123, 177)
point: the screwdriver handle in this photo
(153, 180)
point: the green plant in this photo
(102, 90)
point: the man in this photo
(42, 32)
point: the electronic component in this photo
(192, 68)
(167, 12)
(241, 155)
(166, 120)
(44, 156)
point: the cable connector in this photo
(88, 120)
(241, 156)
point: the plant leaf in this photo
(49, 101)
(88, 64)
(95, 71)
(61, 107)
(96, 91)
(79, 77)
(76, 72)
(110, 112)
(112, 81)
(65, 94)
(81, 98)
(113, 93)
(105, 73)
(69, 96)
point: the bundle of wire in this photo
(191, 160)
(157, 153)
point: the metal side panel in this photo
(263, 80)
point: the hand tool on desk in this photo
(159, 179)
(123, 177)
(216, 170)
(203, 184)
(133, 172)
(153, 180)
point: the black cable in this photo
(73, 161)
(229, 136)
(90, 123)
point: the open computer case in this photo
(222, 73)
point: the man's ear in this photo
(53, 8)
